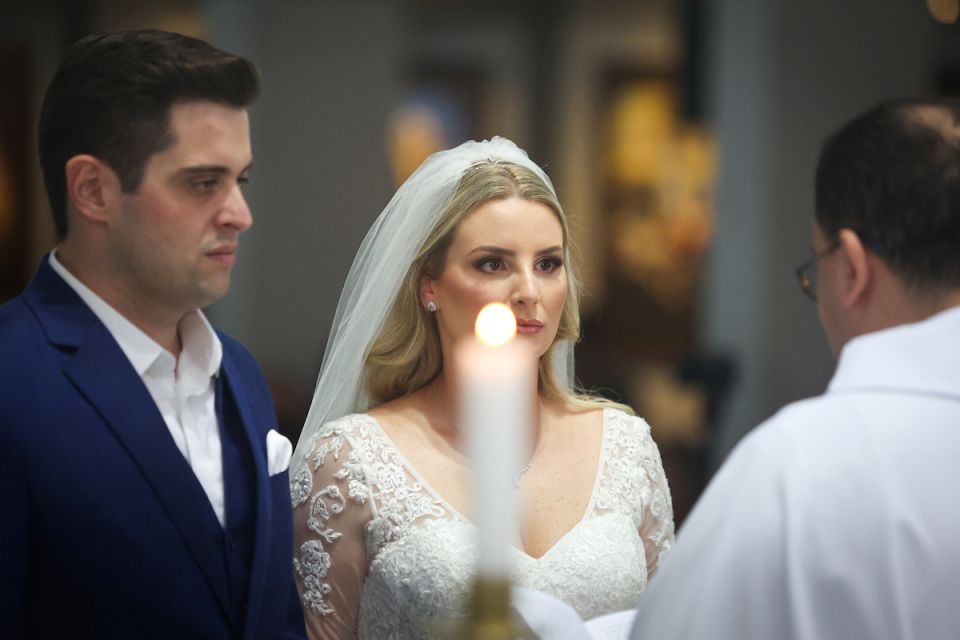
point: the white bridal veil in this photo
(378, 271)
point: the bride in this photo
(379, 480)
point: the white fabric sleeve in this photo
(656, 526)
(329, 525)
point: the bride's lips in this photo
(529, 326)
(225, 255)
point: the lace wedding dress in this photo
(382, 555)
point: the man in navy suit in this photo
(143, 491)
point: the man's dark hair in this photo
(892, 175)
(111, 98)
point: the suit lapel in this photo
(102, 373)
(263, 512)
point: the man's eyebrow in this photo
(218, 169)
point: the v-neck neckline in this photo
(598, 476)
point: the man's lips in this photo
(225, 255)
(529, 326)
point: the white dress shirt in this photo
(838, 517)
(184, 391)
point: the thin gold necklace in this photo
(443, 410)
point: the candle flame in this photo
(496, 324)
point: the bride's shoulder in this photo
(620, 421)
(388, 411)
(396, 417)
(350, 425)
(604, 415)
(622, 414)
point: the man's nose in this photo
(236, 211)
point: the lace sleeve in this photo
(656, 526)
(331, 508)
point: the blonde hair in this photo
(406, 354)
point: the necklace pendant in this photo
(519, 476)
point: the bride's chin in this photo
(542, 350)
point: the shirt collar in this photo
(919, 357)
(202, 351)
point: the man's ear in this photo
(858, 274)
(92, 187)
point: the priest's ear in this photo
(857, 273)
(93, 188)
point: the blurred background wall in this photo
(681, 136)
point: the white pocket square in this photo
(279, 451)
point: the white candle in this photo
(496, 382)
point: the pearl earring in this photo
(432, 306)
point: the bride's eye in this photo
(490, 264)
(549, 264)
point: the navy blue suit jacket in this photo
(105, 531)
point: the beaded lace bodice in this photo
(379, 553)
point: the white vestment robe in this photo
(836, 518)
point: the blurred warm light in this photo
(945, 11)
(686, 192)
(496, 324)
(643, 123)
(676, 409)
(658, 241)
(413, 133)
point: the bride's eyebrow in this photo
(492, 249)
(510, 252)
(554, 249)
